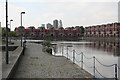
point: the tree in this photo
(12, 33)
(4, 31)
(73, 27)
(77, 27)
(81, 27)
(61, 28)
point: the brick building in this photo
(103, 31)
(50, 34)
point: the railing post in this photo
(94, 66)
(62, 50)
(115, 71)
(67, 52)
(23, 47)
(82, 60)
(73, 56)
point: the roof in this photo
(21, 27)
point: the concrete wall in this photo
(10, 69)
(10, 48)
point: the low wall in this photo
(10, 47)
(10, 69)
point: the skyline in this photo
(72, 13)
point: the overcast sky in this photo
(71, 12)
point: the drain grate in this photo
(34, 57)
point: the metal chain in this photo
(70, 56)
(69, 50)
(87, 57)
(87, 65)
(91, 58)
(100, 73)
(65, 53)
(78, 61)
(103, 64)
(78, 53)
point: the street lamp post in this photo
(7, 56)
(21, 26)
(10, 29)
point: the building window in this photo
(52, 35)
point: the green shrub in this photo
(49, 50)
(46, 43)
(46, 47)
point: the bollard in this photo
(116, 72)
(73, 56)
(82, 60)
(94, 66)
(67, 52)
(62, 50)
(23, 47)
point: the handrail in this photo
(100, 73)
(87, 65)
(78, 61)
(94, 59)
(104, 64)
(87, 57)
(78, 53)
(69, 56)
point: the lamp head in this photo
(11, 20)
(22, 12)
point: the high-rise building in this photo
(119, 11)
(42, 25)
(60, 24)
(55, 24)
(49, 26)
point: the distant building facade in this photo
(106, 31)
(50, 34)
(55, 24)
(49, 26)
(60, 24)
(42, 25)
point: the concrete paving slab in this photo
(38, 64)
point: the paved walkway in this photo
(37, 64)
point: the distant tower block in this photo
(49, 26)
(55, 24)
(42, 25)
(60, 24)
(119, 11)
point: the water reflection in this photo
(106, 52)
(113, 48)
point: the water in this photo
(105, 52)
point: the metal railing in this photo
(81, 61)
